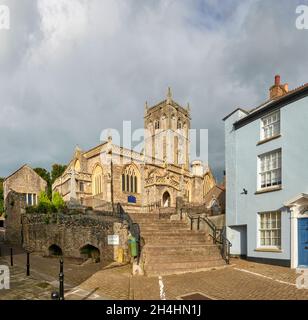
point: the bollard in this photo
(0, 252)
(28, 264)
(61, 281)
(55, 295)
(12, 257)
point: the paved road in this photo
(44, 275)
(241, 280)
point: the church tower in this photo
(167, 127)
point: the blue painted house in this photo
(267, 178)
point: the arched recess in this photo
(166, 199)
(77, 166)
(55, 250)
(90, 252)
(97, 180)
(131, 179)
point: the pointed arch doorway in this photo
(166, 199)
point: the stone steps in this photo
(176, 240)
(171, 247)
(172, 233)
(197, 249)
(161, 223)
(183, 258)
(180, 267)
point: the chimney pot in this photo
(277, 80)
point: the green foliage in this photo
(47, 219)
(56, 171)
(43, 173)
(32, 209)
(43, 198)
(45, 206)
(58, 201)
(50, 177)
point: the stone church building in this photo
(161, 172)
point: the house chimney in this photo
(278, 89)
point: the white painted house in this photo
(267, 178)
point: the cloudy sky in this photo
(70, 68)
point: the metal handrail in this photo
(220, 239)
(218, 236)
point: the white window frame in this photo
(270, 128)
(270, 170)
(33, 198)
(270, 227)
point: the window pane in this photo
(136, 186)
(123, 182)
(270, 229)
(29, 199)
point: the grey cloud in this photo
(67, 76)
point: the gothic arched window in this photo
(130, 179)
(97, 180)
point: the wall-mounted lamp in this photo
(244, 191)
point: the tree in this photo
(56, 171)
(57, 200)
(44, 204)
(43, 198)
(43, 173)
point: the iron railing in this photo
(218, 235)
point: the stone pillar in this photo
(73, 195)
(179, 204)
(14, 208)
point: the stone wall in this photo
(14, 208)
(37, 232)
(73, 232)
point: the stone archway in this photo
(166, 199)
(90, 252)
(55, 251)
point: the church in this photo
(109, 174)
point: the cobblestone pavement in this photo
(241, 280)
(44, 275)
(25, 288)
(112, 283)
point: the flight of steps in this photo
(171, 247)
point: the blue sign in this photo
(131, 199)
